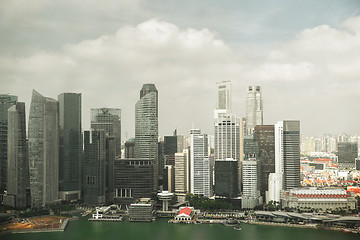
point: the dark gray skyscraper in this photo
(43, 150)
(70, 146)
(146, 126)
(6, 101)
(108, 119)
(18, 187)
(99, 156)
(347, 153)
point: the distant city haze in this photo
(307, 64)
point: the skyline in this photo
(108, 51)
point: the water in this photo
(161, 230)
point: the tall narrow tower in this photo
(70, 146)
(6, 101)
(254, 108)
(43, 150)
(287, 158)
(146, 127)
(199, 164)
(18, 187)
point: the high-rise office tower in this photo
(99, 157)
(43, 136)
(199, 164)
(226, 177)
(347, 153)
(182, 171)
(70, 152)
(18, 186)
(146, 127)
(287, 159)
(108, 119)
(130, 148)
(254, 108)
(133, 179)
(251, 183)
(265, 137)
(223, 98)
(6, 101)
(287, 152)
(228, 137)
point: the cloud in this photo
(300, 77)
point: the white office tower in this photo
(254, 109)
(227, 137)
(287, 159)
(223, 98)
(251, 184)
(275, 187)
(181, 172)
(199, 163)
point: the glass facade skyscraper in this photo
(199, 164)
(43, 136)
(146, 127)
(18, 187)
(108, 119)
(70, 153)
(6, 101)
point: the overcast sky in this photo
(304, 53)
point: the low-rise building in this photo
(327, 198)
(142, 211)
(185, 214)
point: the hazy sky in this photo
(304, 53)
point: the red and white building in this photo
(185, 214)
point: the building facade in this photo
(251, 183)
(43, 133)
(108, 119)
(199, 164)
(182, 172)
(99, 156)
(70, 152)
(6, 101)
(133, 179)
(254, 108)
(324, 199)
(265, 137)
(226, 177)
(347, 153)
(223, 98)
(18, 187)
(146, 127)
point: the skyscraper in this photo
(18, 187)
(108, 119)
(347, 153)
(99, 157)
(146, 127)
(264, 136)
(254, 108)
(70, 152)
(43, 150)
(251, 183)
(6, 101)
(199, 164)
(223, 98)
(226, 177)
(228, 137)
(182, 171)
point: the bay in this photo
(162, 230)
